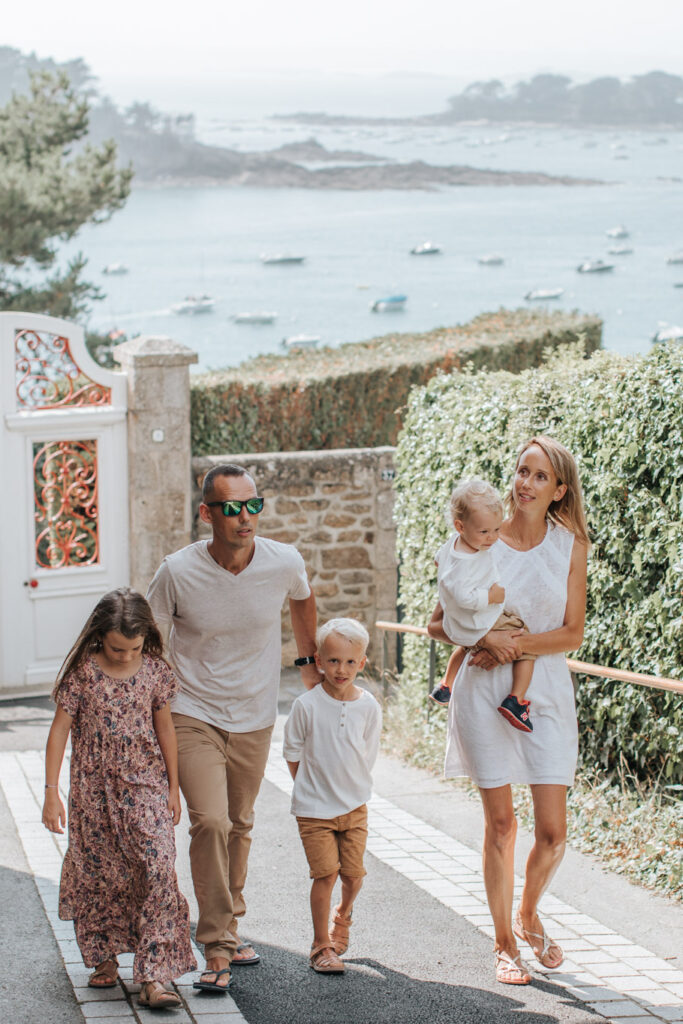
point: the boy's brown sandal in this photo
(324, 960)
(339, 931)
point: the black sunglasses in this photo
(233, 508)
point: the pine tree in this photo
(51, 183)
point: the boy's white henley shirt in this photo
(336, 744)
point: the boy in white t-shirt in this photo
(471, 598)
(330, 745)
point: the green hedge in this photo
(351, 396)
(623, 419)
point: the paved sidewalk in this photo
(422, 912)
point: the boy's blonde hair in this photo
(470, 494)
(568, 511)
(350, 629)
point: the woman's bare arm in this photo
(435, 627)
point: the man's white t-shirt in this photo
(225, 639)
(464, 581)
(336, 744)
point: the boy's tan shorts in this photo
(335, 844)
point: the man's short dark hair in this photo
(227, 469)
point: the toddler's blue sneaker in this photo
(517, 713)
(440, 695)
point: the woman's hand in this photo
(54, 812)
(174, 803)
(501, 645)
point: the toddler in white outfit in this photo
(470, 596)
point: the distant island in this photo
(653, 100)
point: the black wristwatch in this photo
(309, 660)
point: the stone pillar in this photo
(159, 453)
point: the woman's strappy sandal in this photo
(540, 944)
(339, 931)
(105, 974)
(324, 960)
(156, 997)
(511, 971)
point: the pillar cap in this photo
(153, 350)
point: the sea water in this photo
(178, 241)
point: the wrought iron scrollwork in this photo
(65, 504)
(47, 375)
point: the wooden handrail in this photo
(654, 682)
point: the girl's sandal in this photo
(324, 960)
(541, 946)
(105, 974)
(339, 931)
(156, 997)
(509, 971)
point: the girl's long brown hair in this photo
(123, 610)
(568, 511)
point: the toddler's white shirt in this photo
(464, 582)
(336, 744)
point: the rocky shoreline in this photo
(194, 164)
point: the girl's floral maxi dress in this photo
(118, 879)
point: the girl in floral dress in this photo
(118, 879)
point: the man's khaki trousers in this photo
(220, 775)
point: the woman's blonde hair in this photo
(568, 510)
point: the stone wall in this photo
(336, 508)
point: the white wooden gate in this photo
(64, 497)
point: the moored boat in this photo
(426, 249)
(392, 303)
(675, 258)
(302, 341)
(594, 267)
(672, 333)
(115, 268)
(618, 232)
(270, 259)
(620, 250)
(544, 293)
(254, 318)
(492, 259)
(192, 304)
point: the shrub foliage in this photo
(622, 417)
(352, 396)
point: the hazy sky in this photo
(134, 41)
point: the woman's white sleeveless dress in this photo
(481, 743)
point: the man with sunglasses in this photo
(222, 600)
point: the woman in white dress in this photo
(541, 557)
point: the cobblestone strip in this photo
(618, 979)
(22, 776)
